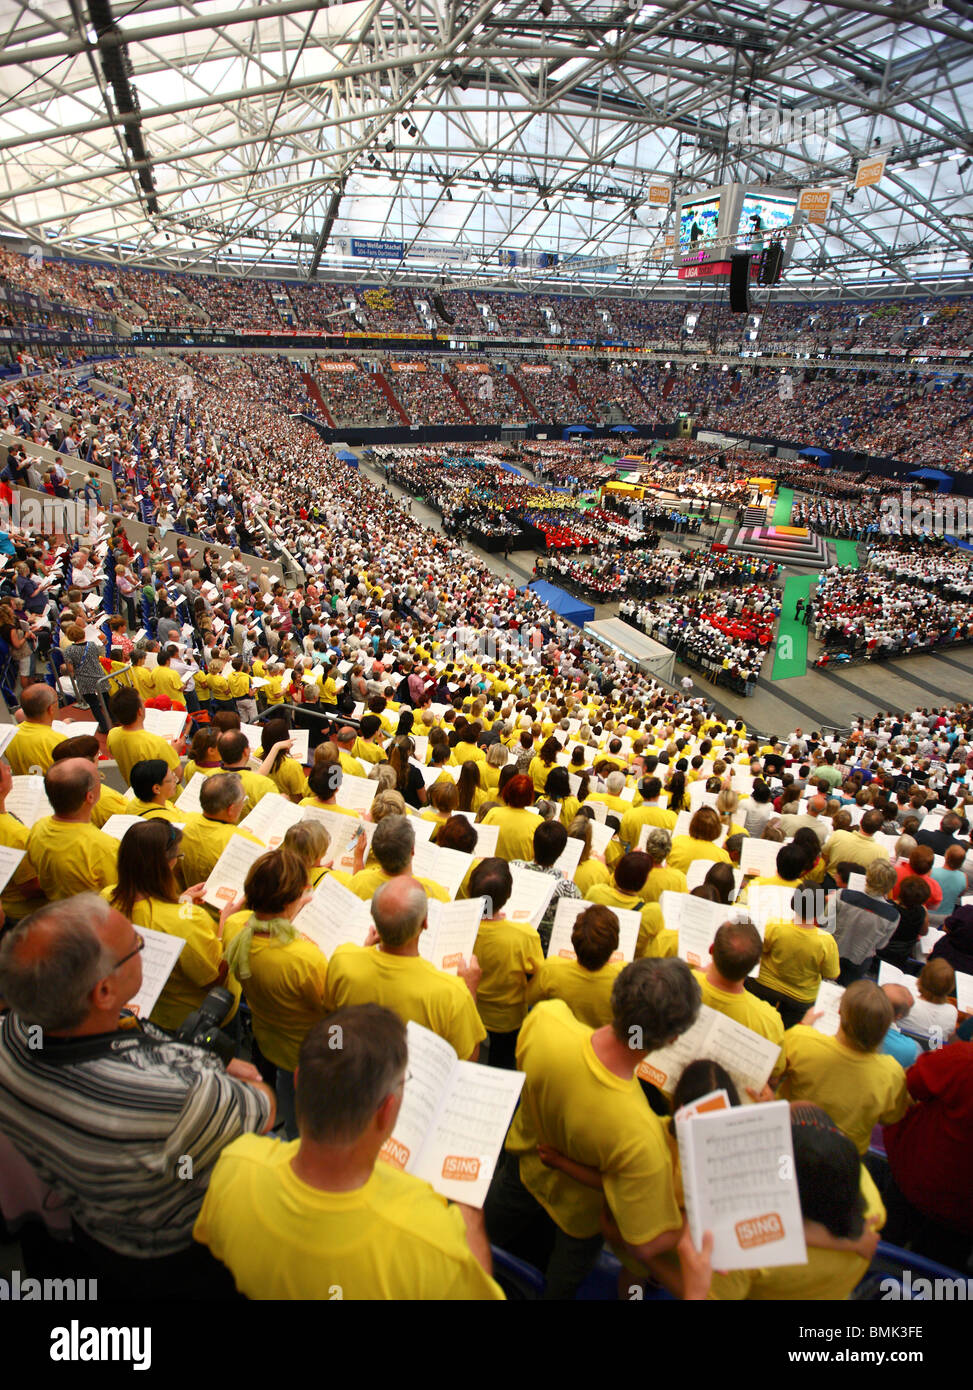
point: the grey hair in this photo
(615, 782)
(658, 843)
(393, 843)
(402, 919)
(53, 989)
(220, 792)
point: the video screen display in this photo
(699, 221)
(775, 213)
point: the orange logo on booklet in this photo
(461, 1169)
(693, 959)
(761, 1230)
(451, 962)
(565, 954)
(649, 1073)
(395, 1152)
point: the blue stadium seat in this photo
(520, 1281)
(891, 1263)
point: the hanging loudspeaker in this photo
(772, 264)
(441, 310)
(740, 284)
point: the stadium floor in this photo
(781, 705)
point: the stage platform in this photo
(793, 546)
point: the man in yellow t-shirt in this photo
(23, 891)
(582, 1100)
(584, 981)
(235, 753)
(736, 949)
(206, 836)
(69, 854)
(858, 1086)
(797, 956)
(130, 742)
(392, 973)
(346, 738)
(327, 1216)
(32, 746)
(393, 846)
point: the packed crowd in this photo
(486, 712)
(866, 613)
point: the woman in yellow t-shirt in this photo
(516, 823)
(148, 895)
(443, 801)
(204, 754)
(591, 869)
(286, 773)
(705, 829)
(543, 763)
(585, 983)
(310, 841)
(220, 694)
(469, 794)
(282, 973)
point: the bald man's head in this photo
(818, 805)
(345, 736)
(37, 702)
(68, 783)
(399, 910)
(900, 998)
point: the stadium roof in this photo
(271, 134)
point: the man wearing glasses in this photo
(122, 1123)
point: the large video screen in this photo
(775, 210)
(699, 220)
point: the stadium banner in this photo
(537, 260)
(408, 366)
(472, 367)
(815, 202)
(335, 367)
(869, 172)
(659, 194)
(534, 367)
(372, 250)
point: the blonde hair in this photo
(580, 829)
(387, 802)
(308, 839)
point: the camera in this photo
(202, 1026)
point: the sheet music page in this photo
(225, 883)
(9, 862)
(451, 934)
(699, 921)
(759, 857)
(188, 799)
(431, 1063)
(890, 975)
(486, 836)
(333, 917)
(828, 1004)
(76, 728)
(601, 837)
(469, 1127)
(768, 903)
(423, 828)
(27, 800)
(748, 1057)
(159, 956)
(447, 867)
(356, 793)
(567, 913)
(964, 992)
(271, 819)
(299, 745)
(118, 826)
(253, 733)
(740, 1183)
(531, 896)
(569, 858)
(167, 723)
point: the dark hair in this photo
(720, 876)
(125, 705)
(761, 792)
(349, 1064)
(456, 833)
(652, 1002)
(701, 1077)
(595, 936)
(274, 880)
(557, 786)
(828, 1172)
(550, 837)
(492, 879)
(468, 784)
(324, 779)
(146, 864)
(632, 870)
(792, 861)
(737, 948)
(274, 731)
(147, 774)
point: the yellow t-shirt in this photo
(412, 988)
(633, 820)
(857, 1089)
(587, 874)
(349, 764)
(198, 961)
(392, 1239)
(796, 960)
(32, 746)
(685, 849)
(508, 952)
(574, 1103)
(651, 913)
(255, 785)
(13, 834)
(285, 990)
(587, 993)
(289, 779)
(71, 857)
(131, 746)
(150, 810)
(110, 803)
(828, 1275)
(365, 883)
(368, 752)
(203, 841)
(663, 879)
(164, 681)
(517, 826)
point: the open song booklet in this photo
(453, 1120)
(740, 1183)
(748, 1057)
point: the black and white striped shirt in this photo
(127, 1138)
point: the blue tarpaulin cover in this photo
(574, 609)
